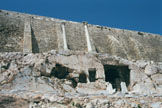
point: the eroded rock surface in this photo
(75, 79)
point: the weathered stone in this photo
(159, 90)
(135, 44)
(27, 45)
(144, 88)
(68, 88)
(123, 87)
(156, 105)
(150, 70)
(137, 75)
(10, 102)
(110, 89)
(90, 105)
(27, 71)
(157, 78)
(91, 88)
(74, 75)
(38, 79)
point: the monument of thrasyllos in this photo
(52, 63)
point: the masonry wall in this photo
(75, 35)
(47, 34)
(44, 35)
(11, 33)
(127, 44)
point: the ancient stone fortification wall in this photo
(47, 33)
(11, 33)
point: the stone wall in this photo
(47, 34)
(11, 33)
(127, 44)
(44, 35)
(75, 35)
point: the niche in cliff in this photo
(60, 71)
(92, 74)
(63, 72)
(117, 74)
(83, 78)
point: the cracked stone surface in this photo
(61, 79)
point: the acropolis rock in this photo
(51, 63)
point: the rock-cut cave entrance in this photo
(117, 74)
(92, 74)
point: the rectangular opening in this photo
(82, 78)
(117, 74)
(92, 74)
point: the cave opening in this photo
(60, 71)
(117, 74)
(92, 74)
(82, 78)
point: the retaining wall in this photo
(47, 34)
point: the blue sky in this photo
(139, 15)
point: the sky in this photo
(138, 15)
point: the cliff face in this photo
(47, 34)
(68, 79)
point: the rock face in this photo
(10, 102)
(51, 63)
(78, 79)
(47, 34)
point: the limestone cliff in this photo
(77, 80)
